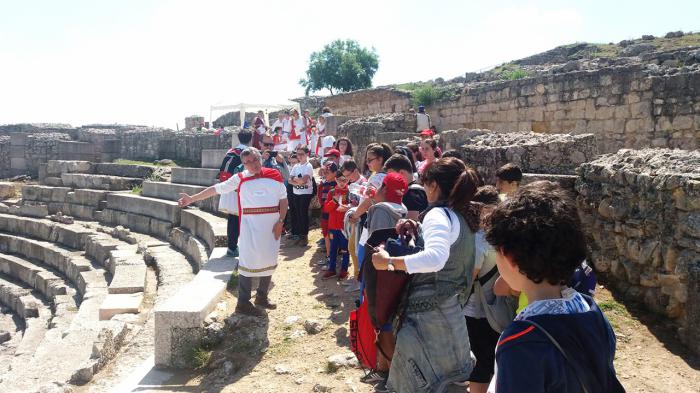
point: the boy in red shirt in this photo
(337, 199)
(324, 189)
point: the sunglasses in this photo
(268, 144)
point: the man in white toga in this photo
(262, 203)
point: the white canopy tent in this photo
(243, 107)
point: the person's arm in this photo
(279, 225)
(501, 288)
(437, 235)
(186, 200)
(361, 209)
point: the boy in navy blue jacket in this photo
(560, 342)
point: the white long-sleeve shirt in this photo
(439, 234)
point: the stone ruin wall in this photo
(641, 209)
(24, 147)
(368, 102)
(630, 106)
(554, 154)
(384, 128)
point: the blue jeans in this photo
(432, 350)
(338, 243)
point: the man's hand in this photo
(185, 200)
(277, 230)
(342, 208)
(354, 218)
(279, 158)
(380, 258)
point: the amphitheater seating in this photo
(107, 276)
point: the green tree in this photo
(341, 66)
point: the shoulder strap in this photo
(486, 277)
(561, 350)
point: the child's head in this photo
(508, 178)
(293, 159)
(400, 164)
(278, 130)
(340, 179)
(393, 188)
(330, 171)
(302, 153)
(537, 236)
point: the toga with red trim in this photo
(258, 201)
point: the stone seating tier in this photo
(195, 176)
(179, 321)
(171, 192)
(206, 226)
(99, 182)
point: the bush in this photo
(514, 74)
(426, 95)
(198, 357)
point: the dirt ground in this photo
(269, 355)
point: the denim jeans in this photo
(232, 231)
(338, 242)
(432, 350)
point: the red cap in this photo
(332, 152)
(395, 187)
(427, 132)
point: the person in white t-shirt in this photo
(301, 180)
(327, 143)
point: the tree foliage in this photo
(341, 66)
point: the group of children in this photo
(507, 316)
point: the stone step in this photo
(179, 321)
(160, 209)
(99, 182)
(128, 279)
(195, 176)
(68, 235)
(20, 299)
(36, 277)
(206, 226)
(69, 263)
(9, 189)
(172, 267)
(120, 303)
(190, 245)
(136, 222)
(171, 192)
(123, 170)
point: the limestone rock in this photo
(313, 326)
(282, 369)
(341, 360)
(292, 320)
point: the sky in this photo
(155, 62)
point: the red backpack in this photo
(363, 337)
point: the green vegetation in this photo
(136, 189)
(341, 66)
(198, 357)
(331, 368)
(232, 281)
(427, 93)
(510, 71)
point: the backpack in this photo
(500, 310)
(231, 164)
(314, 186)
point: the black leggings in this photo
(300, 214)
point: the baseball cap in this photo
(332, 152)
(427, 132)
(395, 187)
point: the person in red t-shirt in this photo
(335, 203)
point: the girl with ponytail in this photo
(433, 342)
